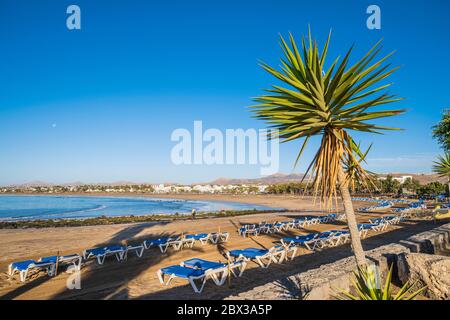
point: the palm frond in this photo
(442, 166)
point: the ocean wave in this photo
(54, 215)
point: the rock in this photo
(433, 241)
(428, 270)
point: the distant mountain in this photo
(36, 183)
(423, 178)
(272, 179)
(74, 184)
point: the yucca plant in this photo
(327, 102)
(352, 170)
(442, 168)
(366, 284)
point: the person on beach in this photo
(194, 212)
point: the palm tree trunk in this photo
(351, 219)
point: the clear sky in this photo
(99, 104)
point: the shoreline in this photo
(128, 219)
(266, 204)
(281, 201)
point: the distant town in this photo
(138, 188)
(412, 184)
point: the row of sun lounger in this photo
(403, 201)
(332, 238)
(319, 240)
(264, 227)
(120, 252)
(379, 224)
(186, 241)
(381, 206)
(198, 271)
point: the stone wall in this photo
(426, 270)
(432, 242)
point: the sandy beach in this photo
(136, 278)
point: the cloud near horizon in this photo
(403, 162)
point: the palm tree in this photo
(357, 178)
(327, 103)
(442, 168)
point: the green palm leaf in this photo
(442, 166)
(366, 286)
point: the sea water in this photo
(29, 207)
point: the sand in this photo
(136, 278)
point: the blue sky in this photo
(99, 104)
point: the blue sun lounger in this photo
(263, 257)
(384, 222)
(102, 252)
(337, 238)
(376, 220)
(202, 264)
(164, 243)
(307, 240)
(249, 229)
(364, 228)
(280, 226)
(48, 263)
(196, 271)
(189, 274)
(321, 239)
(137, 248)
(311, 220)
(392, 219)
(202, 237)
(331, 238)
(265, 227)
(23, 267)
(71, 259)
(300, 222)
(218, 237)
(156, 242)
(328, 218)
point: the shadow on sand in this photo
(280, 273)
(110, 281)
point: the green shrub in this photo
(367, 282)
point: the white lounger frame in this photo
(74, 260)
(217, 237)
(138, 249)
(205, 239)
(275, 254)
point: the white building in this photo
(400, 179)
